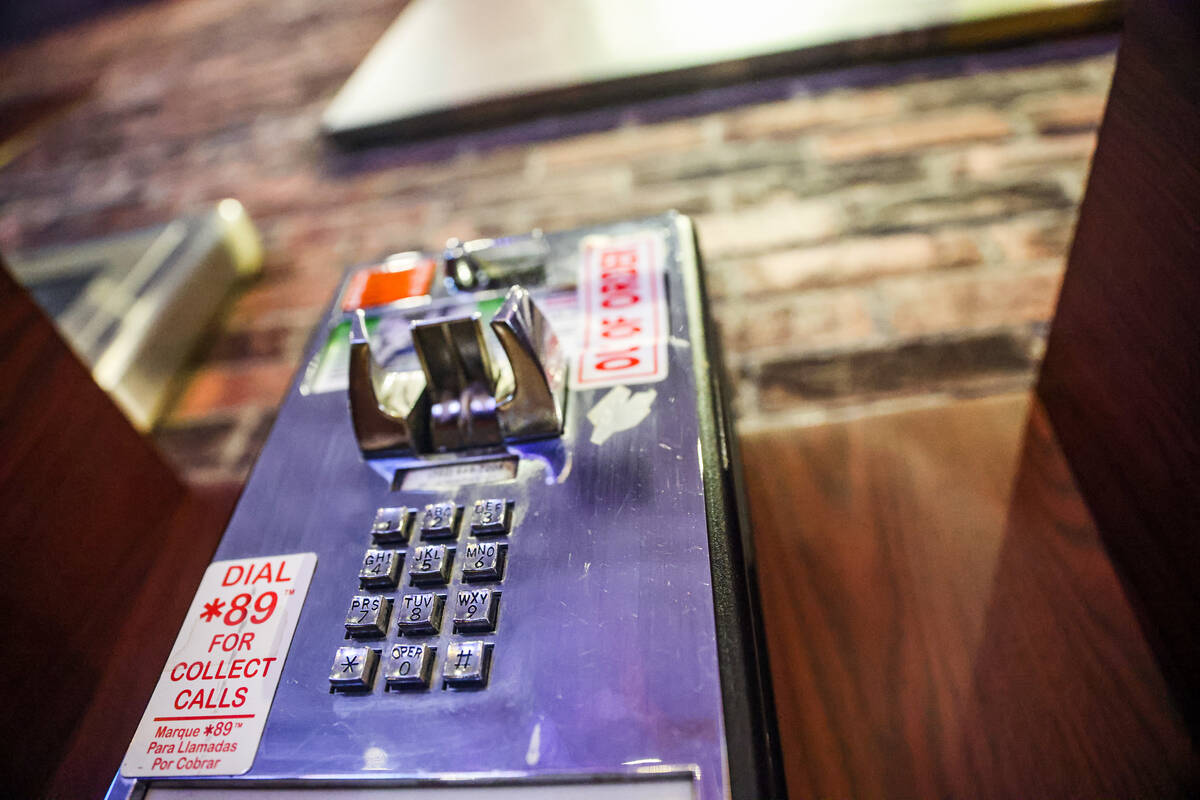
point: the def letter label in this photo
(208, 711)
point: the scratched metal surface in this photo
(605, 657)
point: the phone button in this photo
(380, 569)
(491, 517)
(421, 613)
(392, 525)
(368, 615)
(476, 610)
(430, 565)
(439, 520)
(408, 666)
(353, 669)
(467, 664)
(483, 561)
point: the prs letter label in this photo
(210, 705)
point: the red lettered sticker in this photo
(623, 337)
(210, 705)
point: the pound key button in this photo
(491, 517)
(380, 569)
(439, 520)
(476, 610)
(368, 615)
(392, 525)
(353, 669)
(408, 666)
(421, 613)
(467, 664)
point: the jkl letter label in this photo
(624, 312)
(208, 711)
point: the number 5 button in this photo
(476, 610)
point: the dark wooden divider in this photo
(1121, 379)
(102, 544)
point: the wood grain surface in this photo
(1121, 379)
(102, 546)
(942, 619)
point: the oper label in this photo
(208, 711)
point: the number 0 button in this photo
(408, 666)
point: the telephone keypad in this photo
(475, 610)
(420, 613)
(474, 595)
(368, 616)
(409, 665)
(353, 669)
(491, 517)
(380, 568)
(430, 565)
(483, 561)
(392, 525)
(467, 664)
(439, 520)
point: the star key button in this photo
(353, 669)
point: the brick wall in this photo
(876, 237)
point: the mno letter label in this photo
(207, 713)
(623, 310)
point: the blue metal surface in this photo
(605, 658)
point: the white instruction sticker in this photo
(624, 330)
(208, 711)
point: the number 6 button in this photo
(483, 561)
(476, 610)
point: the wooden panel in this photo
(943, 621)
(98, 538)
(1121, 379)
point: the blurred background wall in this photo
(878, 235)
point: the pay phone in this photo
(491, 549)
